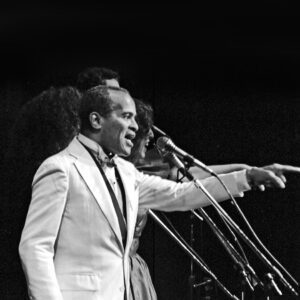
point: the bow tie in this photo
(107, 162)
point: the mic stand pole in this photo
(239, 261)
(249, 276)
(233, 253)
(218, 207)
(192, 278)
(195, 162)
(193, 255)
(192, 274)
(168, 145)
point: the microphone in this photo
(173, 158)
(164, 143)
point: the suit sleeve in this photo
(49, 194)
(165, 195)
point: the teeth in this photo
(130, 136)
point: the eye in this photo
(127, 115)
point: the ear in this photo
(96, 120)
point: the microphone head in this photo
(164, 143)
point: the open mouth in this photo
(129, 137)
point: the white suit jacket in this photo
(71, 246)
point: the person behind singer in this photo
(93, 76)
(141, 286)
(80, 224)
(44, 126)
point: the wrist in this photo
(249, 177)
(247, 167)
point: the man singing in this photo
(80, 224)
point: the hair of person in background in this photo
(94, 76)
(144, 119)
(44, 126)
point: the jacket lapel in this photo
(94, 180)
(128, 180)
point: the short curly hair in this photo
(46, 124)
(144, 119)
(94, 76)
(96, 99)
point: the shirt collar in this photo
(97, 150)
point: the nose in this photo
(150, 134)
(134, 125)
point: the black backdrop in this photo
(223, 81)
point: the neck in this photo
(95, 137)
(91, 135)
(108, 153)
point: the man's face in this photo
(144, 143)
(119, 128)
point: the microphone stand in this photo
(192, 274)
(240, 262)
(260, 255)
(192, 278)
(188, 250)
(192, 161)
(249, 276)
(245, 269)
(263, 258)
(165, 145)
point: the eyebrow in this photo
(131, 114)
(117, 106)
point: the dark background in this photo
(224, 82)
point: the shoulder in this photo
(66, 156)
(59, 163)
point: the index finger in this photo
(287, 168)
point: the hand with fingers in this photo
(261, 178)
(280, 170)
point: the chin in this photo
(125, 152)
(143, 153)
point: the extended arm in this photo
(276, 168)
(218, 169)
(165, 195)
